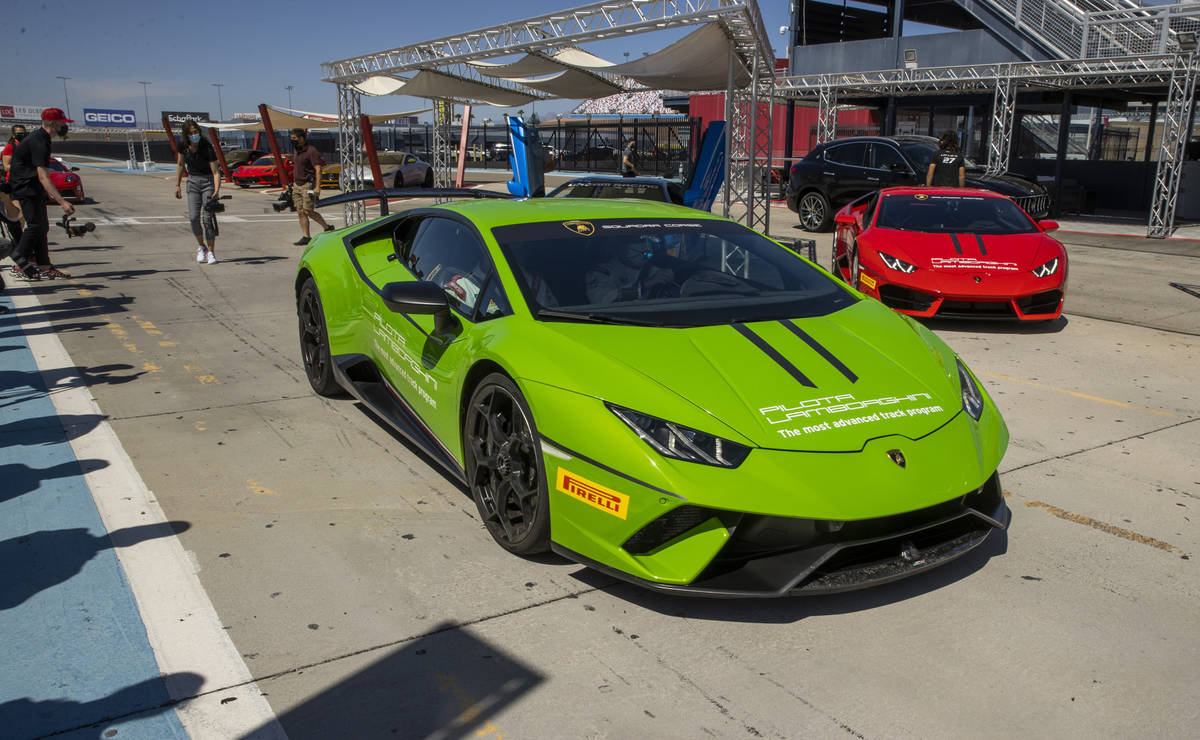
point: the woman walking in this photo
(198, 159)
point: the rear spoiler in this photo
(382, 194)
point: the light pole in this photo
(289, 88)
(220, 107)
(65, 96)
(145, 95)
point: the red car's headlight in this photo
(896, 263)
(1047, 269)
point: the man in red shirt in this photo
(18, 133)
(306, 185)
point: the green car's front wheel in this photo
(504, 466)
(314, 342)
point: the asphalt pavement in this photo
(194, 544)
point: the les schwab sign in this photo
(109, 118)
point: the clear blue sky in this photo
(254, 48)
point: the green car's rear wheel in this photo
(314, 342)
(504, 466)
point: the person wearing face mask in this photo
(306, 188)
(198, 160)
(18, 133)
(31, 186)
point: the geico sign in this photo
(104, 119)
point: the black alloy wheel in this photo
(314, 342)
(504, 467)
(814, 211)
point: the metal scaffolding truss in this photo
(350, 144)
(1004, 109)
(1175, 72)
(443, 116)
(749, 129)
(1176, 118)
(573, 26)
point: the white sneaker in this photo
(212, 258)
(200, 252)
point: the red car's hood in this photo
(255, 169)
(989, 254)
(59, 178)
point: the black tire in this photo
(504, 466)
(398, 182)
(428, 179)
(815, 211)
(314, 342)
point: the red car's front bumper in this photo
(962, 296)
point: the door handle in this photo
(873, 179)
(828, 173)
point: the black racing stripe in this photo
(982, 249)
(605, 468)
(771, 352)
(957, 246)
(820, 349)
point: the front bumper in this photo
(1040, 304)
(768, 556)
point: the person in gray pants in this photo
(198, 159)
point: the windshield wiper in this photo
(594, 318)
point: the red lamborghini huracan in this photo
(951, 252)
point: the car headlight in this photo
(1047, 269)
(680, 442)
(972, 399)
(896, 263)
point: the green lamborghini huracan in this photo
(658, 393)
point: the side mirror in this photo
(1047, 225)
(421, 297)
(74, 169)
(898, 167)
(845, 219)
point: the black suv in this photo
(837, 172)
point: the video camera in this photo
(214, 204)
(74, 231)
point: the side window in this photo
(493, 304)
(884, 156)
(852, 155)
(448, 253)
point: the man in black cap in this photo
(32, 187)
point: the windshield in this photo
(56, 166)
(643, 190)
(662, 272)
(921, 152)
(264, 161)
(956, 214)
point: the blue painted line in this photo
(73, 648)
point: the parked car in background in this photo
(839, 171)
(951, 253)
(260, 171)
(235, 158)
(65, 180)
(399, 170)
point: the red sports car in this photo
(65, 179)
(260, 172)
(951, 252)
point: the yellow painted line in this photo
(150, 367)
(1105, 527)
(165, 343)
(1085, 396)
(258, 488)
(200, 374)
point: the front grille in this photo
(977, 309)
(1035, 205)
(894, 296)
(1046, 302)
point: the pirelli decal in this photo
(593, 494)
(867, 280)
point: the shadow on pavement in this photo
(48, 430)
(60, 378)
(30, 718)
(253, 260)
(786, 610)
(52, 329)
(126, 274)
(20, 479)
(414, 449)
(447, 684)
(75, 308)
(90, 247)
(40, 560)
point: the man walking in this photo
(629, 159)
(306, 183)
(32, 188)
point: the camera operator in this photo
(306, 188)
(32, 187)
(199, 160)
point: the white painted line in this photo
(181, 623)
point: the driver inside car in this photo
(625, 274)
